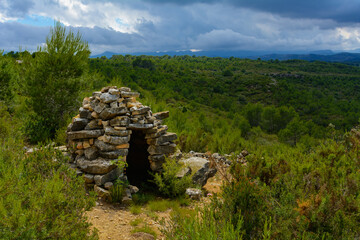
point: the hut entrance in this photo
(137, 159)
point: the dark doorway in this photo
(138, 163)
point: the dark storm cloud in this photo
(338, 10)
(15, 36)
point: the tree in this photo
(53, 81)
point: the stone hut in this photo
(113, 126)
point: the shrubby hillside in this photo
(301, 178)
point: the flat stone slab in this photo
(98, 166)
(154, 149)
(138, 126)
(167, 137)
(83, 134)
(161, 115)
(109, 113)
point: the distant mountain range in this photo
(322, 55)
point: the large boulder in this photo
(201, 169)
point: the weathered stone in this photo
(113, 132)
(94, 115)
(105, 89)
(133, 189)
(137, 126)
(86, 144)
(79, 124)
(108, 98)
(108, 185)
(114, 104)
(85, 134)
(104, 146)
(109, 113)
(167, 137)
(86, 101)
(98, 166)
(84, 113)
(158, 133)
(79, 152)
(201, 167)
(139, 111)
(89, 178)
(94, 124)
(157, 158)
(120, 121)
(114, 91)
(96, 94)
(156, 166)
(123, 146)
(129, 94)
(154, 149)
(161, 115)
(104, 194)
(118, 140)
(99, 106)
(114, 154)
(91, 153)
(194, 193)
(185, 171)
(79, 146)
(108, 177)
(125, 89)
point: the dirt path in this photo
(113, 221)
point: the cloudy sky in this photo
(171, 25)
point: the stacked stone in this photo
(100, 134)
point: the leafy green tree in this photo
(293, 131)
(53, 81)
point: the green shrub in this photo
(117, 191)
(168, 183)
(41, 197)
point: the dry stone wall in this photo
(101, 133)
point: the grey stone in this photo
(138, 126)
(104, 146)
(161, 115)
(98, 106)
(98, 166)
(157, 166)
(185, 171)
(108, 185)
(93, 124)
(118, 140)
(108, 98)
(167, 137)
(89, 178)
(79, 124)
(244, 153)
(154, 149)
(194, 193)
(112, 132)
(122, 121)
(108, 177)
(139, 111)
(129, 94)
(201, 167)
(114, 154)
(124, 89)
(84, 113)
(96, 94)
(114, 104)
(103, 193)
(109, 113)
(133, 189)
(158, 133)
(156, 158)
(91, 153)
(114, 91)
(85, 134)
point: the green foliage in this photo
(41, 198)
(162, 205)
(202, 224)
(168, 183)
(145, 229)
(117, 191)
(53, 81)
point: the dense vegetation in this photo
(301, 179)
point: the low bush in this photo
(168, 183)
